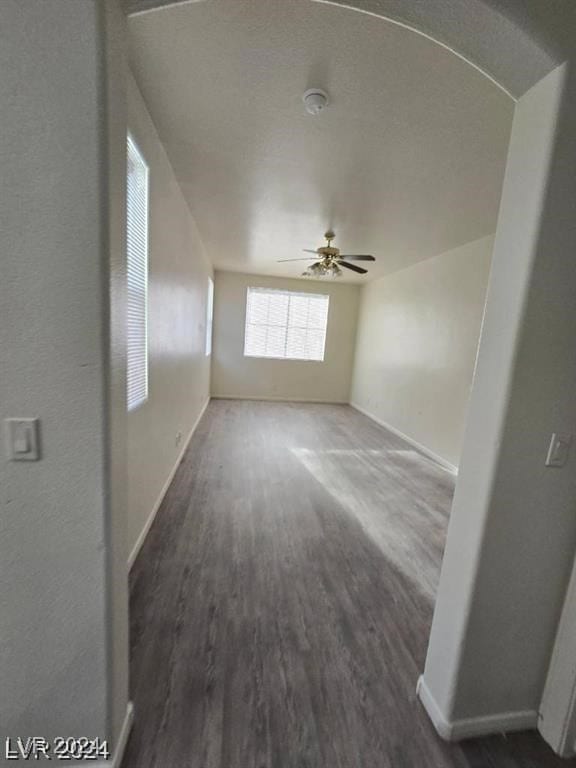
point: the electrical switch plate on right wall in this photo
(558, 450)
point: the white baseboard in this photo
(281, 399)
(467, 728)
(118, 755)
(123, 738)
(137, 547)
(422, 448)
(442, 726)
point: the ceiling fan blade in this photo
(306, 258)
(357, 257)
(353, 267)
(309, 250)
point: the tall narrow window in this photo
(285, 324)
(209, 315)
(137, 277)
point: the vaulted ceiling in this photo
(406, 161)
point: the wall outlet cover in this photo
(558, 449)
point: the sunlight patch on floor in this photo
(389, 515)
(410, 455)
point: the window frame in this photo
(304, 294)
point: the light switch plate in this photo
(558, 450)
(22, 439)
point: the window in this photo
(137, 277)
(285, 325)
(209, 315)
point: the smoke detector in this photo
(315, 100)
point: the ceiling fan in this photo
(330, 260)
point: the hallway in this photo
(281, 605)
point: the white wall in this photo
(234, 375)
(179, 370)
(418, 333)
(512, 531)
(62, 596)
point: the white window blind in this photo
(286, 325)
(137, 277)
(209, 315)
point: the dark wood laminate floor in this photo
(281, 605)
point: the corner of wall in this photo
(473, 727)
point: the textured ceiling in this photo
(405, 163)
(516, 42)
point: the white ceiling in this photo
(405, 163)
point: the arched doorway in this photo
(511, 539)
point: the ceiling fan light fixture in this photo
(336, 271)
(322, 269)
(312, 271)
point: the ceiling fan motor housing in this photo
(329, 251)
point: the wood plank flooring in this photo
(281, 604)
